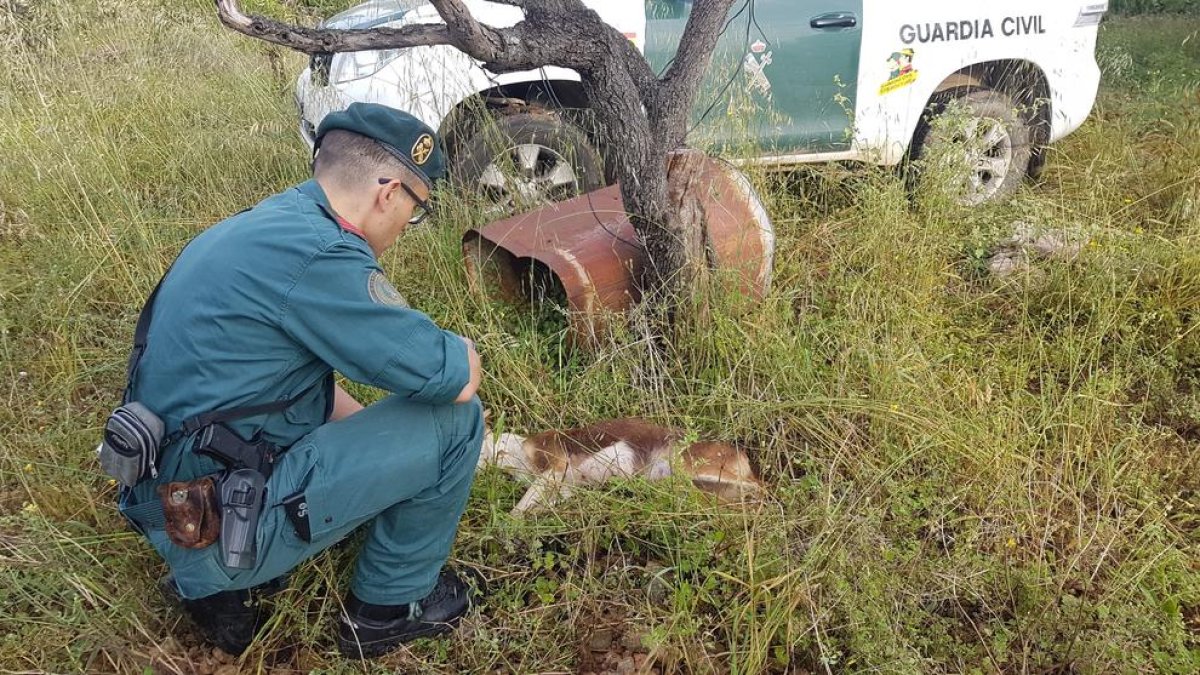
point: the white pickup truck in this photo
(791, 81)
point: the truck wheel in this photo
(977, 142)
(527, 159)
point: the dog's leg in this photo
(546, 491)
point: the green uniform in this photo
(264, 307)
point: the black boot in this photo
(367, 631)
(229, 619)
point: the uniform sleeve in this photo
(343, 309)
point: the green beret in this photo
(401, 134)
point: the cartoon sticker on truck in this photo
(902, 73)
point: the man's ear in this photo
(387, 194)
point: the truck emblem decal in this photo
(902, 73)
(755, 67)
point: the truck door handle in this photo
(834, 20)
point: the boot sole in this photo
(357, 649)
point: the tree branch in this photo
(503, 50)
(317, 40)
(480, 41)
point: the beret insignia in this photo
(422, 149)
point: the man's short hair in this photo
(351, 160)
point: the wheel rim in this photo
(976, 155)
(989, 155)
(529, 173)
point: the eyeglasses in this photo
(423, 209)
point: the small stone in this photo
(227, 669)
(639, 661)
(658, 590)
(170, 645)
(1058, 243)
(600, 640)
(1008, 263)
(633, 640)
(626, 666)
(220, 656)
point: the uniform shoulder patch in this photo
(382, 292)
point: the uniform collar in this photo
(312, 189)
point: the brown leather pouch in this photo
(192, 515)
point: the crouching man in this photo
(263, 460)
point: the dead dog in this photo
(556, 461)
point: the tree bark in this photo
(642, 116)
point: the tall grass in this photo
(966, 473)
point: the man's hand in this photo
(476, 373)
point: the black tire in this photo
(527, 159)
(996, 137)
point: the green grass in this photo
(966, 474)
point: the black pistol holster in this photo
(242, 488)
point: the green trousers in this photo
(403, 469)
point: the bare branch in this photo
(480, 41)
(503, 50)
(316, 40)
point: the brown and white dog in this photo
(556, 461)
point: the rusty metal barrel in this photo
(585, 254)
